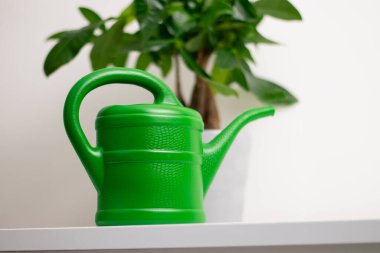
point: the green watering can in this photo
(150, 165)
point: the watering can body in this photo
(152, 164)
(149, 165)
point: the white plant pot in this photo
(224, 201)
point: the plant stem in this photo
(203, 100)
(178, 85)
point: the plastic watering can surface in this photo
(149, 165)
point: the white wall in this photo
(315, 161)
(321, 159)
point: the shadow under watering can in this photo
(149, 165)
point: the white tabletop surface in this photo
(190, 236)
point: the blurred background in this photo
(316, 160)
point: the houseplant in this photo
(211, 37)
(194, 31)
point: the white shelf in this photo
(190, 236)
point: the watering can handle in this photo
(91, 157)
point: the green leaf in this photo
(221, 88)
(281, 9)
(156, 45)
(212, 38)
(194, 6)
(232, 25)
(238, 77)
(120, 59)
(128, 14)
(164, 61)
(244, 10)
(192, 65)
(107, 46)
(221, 75)
(244, 52)
(178, 20)
(148, 13)
(215, 11)
(68, 46)
(265, 90)
(197, 42)
(57, 36)
(225, 58)
(143, 61)
(257, 38)
(272, 93)
(132, 42)
(92, 17)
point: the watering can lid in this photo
(151, 110)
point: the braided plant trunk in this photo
(202, 98)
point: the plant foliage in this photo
(176, 28)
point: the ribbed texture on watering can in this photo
(143, 127)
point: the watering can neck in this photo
(216, 149)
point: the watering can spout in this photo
(215, 150)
